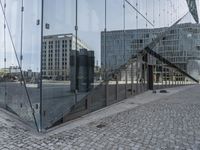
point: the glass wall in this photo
(20, 58)
(2, 60)
(62, 59)
(58, 41)
(71, 55)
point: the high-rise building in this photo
(56, 55)
(179, 46)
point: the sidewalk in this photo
(148, 121)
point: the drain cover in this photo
(163, 91)
(132, 103)
(101, 126)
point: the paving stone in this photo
(169, 123)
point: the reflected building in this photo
(82, 72)
(56, 55)
(14, 70)
(193, 68)
(179, 46)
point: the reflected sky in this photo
(60, 14)
(31, 33)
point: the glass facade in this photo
(55, 56)
(20, 58)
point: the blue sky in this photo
(60, 14)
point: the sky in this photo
(60, 14)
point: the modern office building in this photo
(56, 55)
(180, 46)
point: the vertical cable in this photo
(173, 43)
(76, 30)
(155, 69)
(154, 13)
(5, 85)
(146, 14)
(137, 45)
(137, 38)
(171, 11)
(22, 27)
(105, 31)
(164, 14)
(167, 9)
(159, 15)
(164, 25)
(124, 28)
(178, 8)
(41, 66)
(106, 77)
(174, 46)
(75, 60)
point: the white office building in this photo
(56, 55)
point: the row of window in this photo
(57, 42)
(57, 63)
(51, 73)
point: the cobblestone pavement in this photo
(170, 123)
